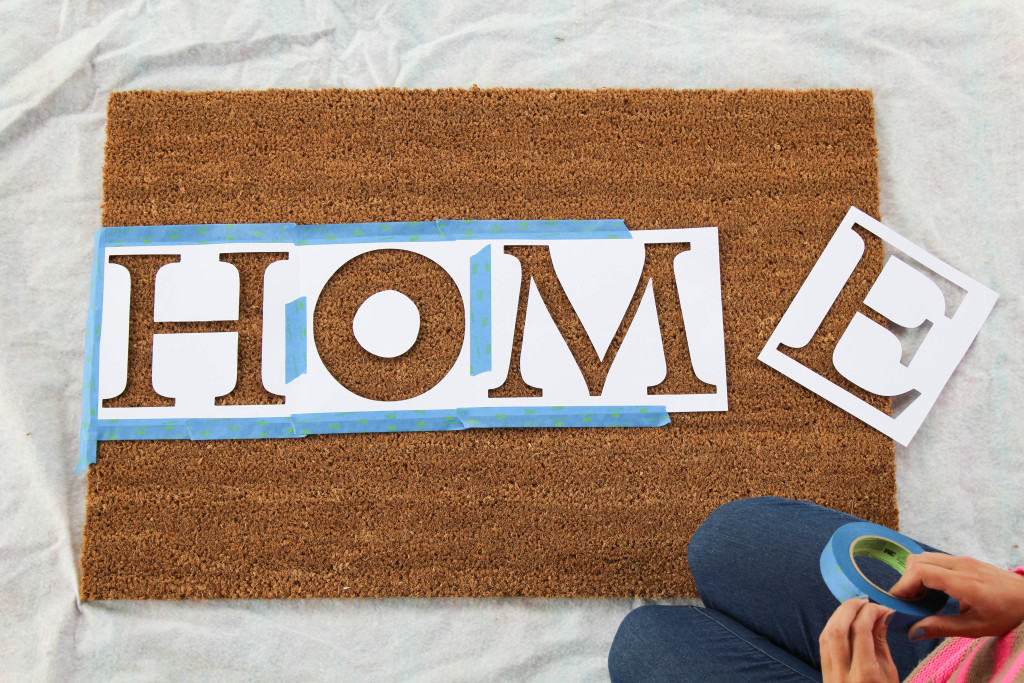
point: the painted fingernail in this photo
(862, 596)
(888, 619)
(917, 634)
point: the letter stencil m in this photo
(685, 286)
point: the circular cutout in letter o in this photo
(387, 324)
(442, 324)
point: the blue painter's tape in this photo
(377, 421)
(295, 339)
(565, 416)
(204, 429)
(847, 580)
(141, 430)
(269, 428)
(250, 428)
(304, 424)
(349, 233)
(91, 374)
(198, 429)
(541, 230)
(447, 230)
(214, 233)
(480, 312)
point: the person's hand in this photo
(991, 599)
(853, 646)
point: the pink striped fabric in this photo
(971, 660)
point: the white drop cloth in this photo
(948, 80)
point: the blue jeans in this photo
(755, 563)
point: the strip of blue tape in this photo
(91, 373)
(547, 230)
(214, 233)
(347, 233)
(294, 339)
(565, 416)
(198, 429)
(377, 421)
(94, 429)
(480, 312)
(448, 230)
(845, 579)
(304, 424)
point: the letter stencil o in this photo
(441, 334)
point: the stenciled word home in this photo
(648, 304)
(648, 301)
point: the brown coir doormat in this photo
(553, 512)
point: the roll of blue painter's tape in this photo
(846, 580)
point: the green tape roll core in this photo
(882, 549)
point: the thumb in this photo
(946, 626)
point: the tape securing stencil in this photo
(212, 233)
(295, 339)
(480, 312)
(91, 373)
(450, 230)
(846, 580)
(569, 229)
(377, 421)
(565, 416)
(305, 424)
(356, 233)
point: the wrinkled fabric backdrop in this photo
(948, 85)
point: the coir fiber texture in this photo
(532, 512)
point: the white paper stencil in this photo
(193, 368)
(113, 361)
(870, 355)
(599, 277)
(199, 287)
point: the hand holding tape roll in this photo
(846, 580)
